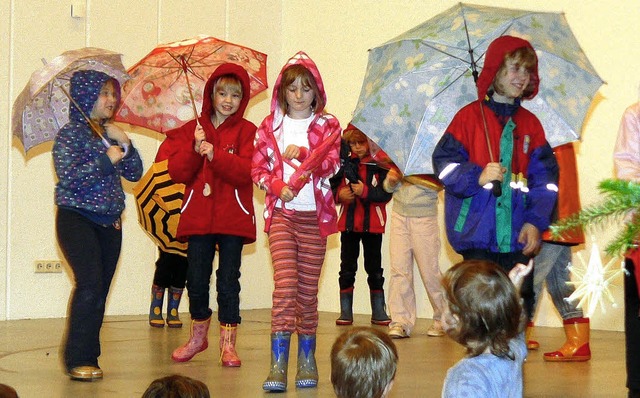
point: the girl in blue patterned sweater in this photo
(90, 155)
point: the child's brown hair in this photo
(363, 363)
(353, 135)
(176, 386)
(486, 305)
(289, 75)
(526, 57)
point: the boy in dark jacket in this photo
(358, 188)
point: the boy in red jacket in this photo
(358, 187)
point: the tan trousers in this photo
(413, 238)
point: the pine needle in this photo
(621, 199)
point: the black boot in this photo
(378, 314)
(346, 307)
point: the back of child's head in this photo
(7, 391)
(176, 386)
(363, 363)
(229, 83)
(289, 75)
(486, 306)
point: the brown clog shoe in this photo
(85, 373)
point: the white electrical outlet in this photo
(48, 266)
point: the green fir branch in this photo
(621, 199)
(624, 240)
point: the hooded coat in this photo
(368, 212)
(228, 210)
(475, 219)
(267, 164)
(87, 180)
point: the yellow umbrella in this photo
(159, 200)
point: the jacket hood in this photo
(85, 90)
(493, 60)
(226, 69)
(301, 58)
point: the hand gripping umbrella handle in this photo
(496, 189)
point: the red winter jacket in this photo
(368, 212)
(228, 209)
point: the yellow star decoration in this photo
(593, 282)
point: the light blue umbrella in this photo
(416, 82)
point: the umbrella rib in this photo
(185, 63)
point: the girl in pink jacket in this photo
(296, 151)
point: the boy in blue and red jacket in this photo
(358, 187)
(505, 228)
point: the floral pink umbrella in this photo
(303, 171)
(165, 89)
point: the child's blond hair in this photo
(228, 82)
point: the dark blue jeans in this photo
(171, 270)
(92, 252)
(200, 253)
(349, 253)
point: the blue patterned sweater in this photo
(87, 181)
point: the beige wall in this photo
(336, 35)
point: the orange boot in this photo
(531, 344)
(576, 348)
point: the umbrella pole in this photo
(497, 186)
(206, 191)
(496, 189)
(183, 63)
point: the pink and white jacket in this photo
(267, 162)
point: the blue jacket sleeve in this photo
(543, 187)
(461, 178)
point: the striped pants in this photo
(297, 253)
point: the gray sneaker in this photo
(435, 330)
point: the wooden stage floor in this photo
(134, 354)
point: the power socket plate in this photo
(48, 266)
